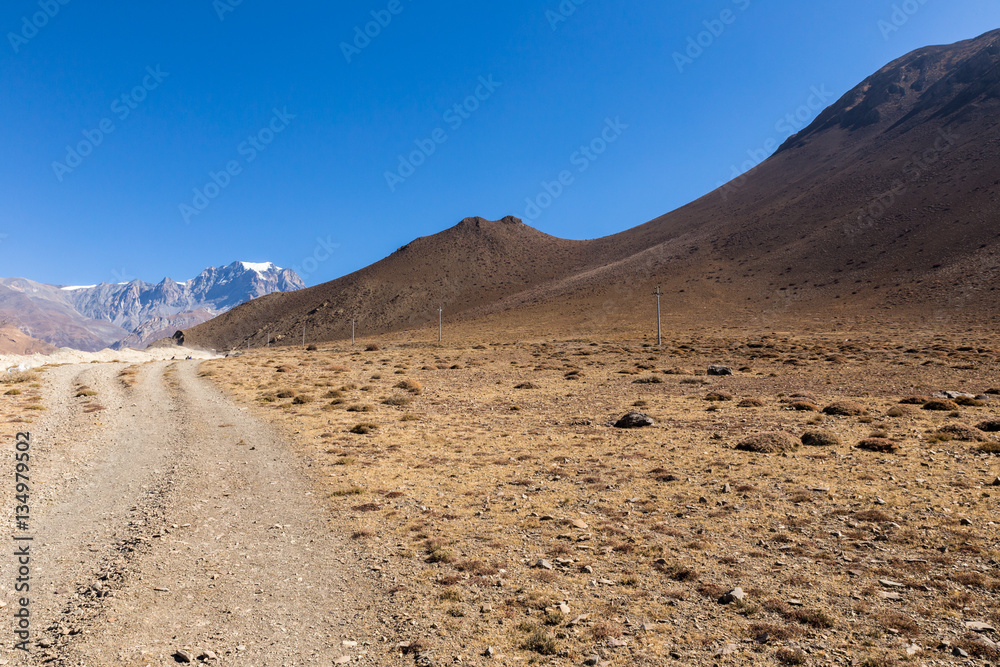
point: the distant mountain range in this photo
(886, 207)
(134, 314)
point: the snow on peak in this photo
(75, 288)
(260, 268)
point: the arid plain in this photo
(509, 517)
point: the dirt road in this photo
(173, 521)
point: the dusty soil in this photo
(464, 466)
(165, 519)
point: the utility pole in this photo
(303, 335)
(440, 312)
(659, 330)
(353, 323)
(268, 340)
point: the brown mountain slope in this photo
(13, 341)
(885, 207)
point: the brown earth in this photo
(885, 208)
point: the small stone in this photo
(564, 608)
(735, 595)
(959, 653)
(912, 650)
(348, 644)
(490, 652)
(996, 482)
(890, 584)
(543, 564)
(486, 608)
(183, 655)
(577, 523)
(592, 660)
(635, 420)
(579, 619)
(720, 370)
(586, 569)
(648, 627)
(965, 522)
(979, 626)
(342, 660)
(894, 597)
(208, 655)
(727, 489)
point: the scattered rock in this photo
(489, 652)
(543, 564)
(183, 655)
(959, 653)
(879, 445)
(820, 439)
(720, 370)
(526, 385)
(205, 656)
(996, 482)
(768, 443)
(979, 626)
(577, 523)
(735, 595)
(888, 583)
(845, 409)
(635, 420)
(592, 660)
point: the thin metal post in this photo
(440, 311)
(303, 335)
(352, 331)
(659, 329)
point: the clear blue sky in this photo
(116, 213)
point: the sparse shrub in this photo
(969, 402)
(302, 399)
(411, 386)
(372, 347)
(360, 408)
(363, 429)
(526, 385)
(311, 347)
(961, 432)
(879, 445)
(804, 406)
(940, 405)
(398, 401)
(652, 379)
(750, 403)
(897, 411)
(914, 400)
(12, 392)
(990, 426)
(768, 443)
(814, 618)
(349, 491)
(540, 643)
(893, 620)
(845, 409)
(790, 656)
(820, 439)
(718, 396)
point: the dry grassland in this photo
(509, 513)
